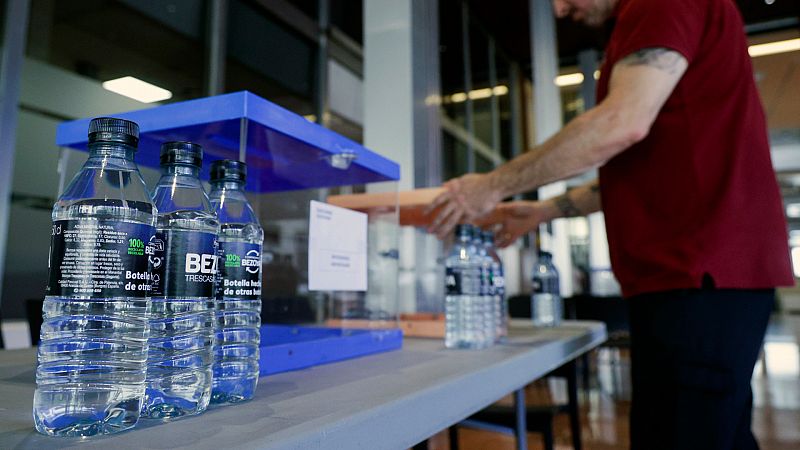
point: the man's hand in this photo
(512, 220)
(465, 199)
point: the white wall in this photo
(48, 95)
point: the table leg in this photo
(521, 411)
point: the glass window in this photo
(482, 164)
(268, 59)
(348, 16)
(454, 157)
(161, 43)
(571, 102)
(503, 92)
(308, 7)
(2, 21)
(482, 92)
(451, 63)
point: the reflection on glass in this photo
(454, 157)
(268, 59)
(161, 43)
(451, 62)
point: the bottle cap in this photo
(186, 153)
(545, 255)
(228, 170)
(110, 129)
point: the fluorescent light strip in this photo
(771, 48)
(478, 94)
(137, 89)
(574, 79)
(570, 79)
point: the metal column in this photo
(548, 117)
(495, 102)
(216, 46)
(402, 122)
(587, 61)
(465, 51)
(321, 98)
(515, 94)
(426, 90)
(13, 51)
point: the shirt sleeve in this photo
(674, 24)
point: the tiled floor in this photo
(776, 418)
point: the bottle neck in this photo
(227, 185)
(111, 150)
(180, 169)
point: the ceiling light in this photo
(478, 94)
(500, 90)
(570, 79)
(771, 48)
(137, 89)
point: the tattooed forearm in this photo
(567, 207)
(660, 58)
(579, 201)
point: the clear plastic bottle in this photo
(463, 312)
(184, 263)
(490, 312)
(546, 306)
(238, 297)
(92, 353)
(498, 283)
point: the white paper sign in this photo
(337, 249)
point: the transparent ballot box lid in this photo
(323, 265)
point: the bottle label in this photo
(546, 285)
(452, 281)
(184, 263)
(240, 271)
(99, 259)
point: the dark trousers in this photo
(692, 358)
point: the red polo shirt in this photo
(698, 195)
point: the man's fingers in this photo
(438, 201)
(504, 239)
(441, 216)
(452, 213)
(446, 228)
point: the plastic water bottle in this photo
(463, 314)
(486, 288)
(498, 282)
(546, 306)
(238, 313)
(184, 262)
(91, 374)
